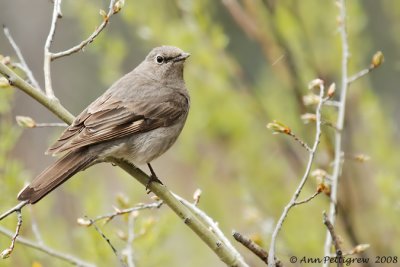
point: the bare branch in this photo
(48, 250)
(359, 75)
(110, 216)
(376, 61)
(301, 142)
(17, 208)
(90, 39)
(336, 242)
(47, 54)
(337, 166)
(7, 252)
(307, 199)
(21, 59)
(292, 203)
(253, 247)
(109, 243)
(278, 127)
(51, 124)
(213, 227)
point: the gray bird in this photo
(137, 119)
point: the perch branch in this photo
(213, 227)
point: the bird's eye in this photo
(159, 59)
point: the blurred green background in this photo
(251, 63)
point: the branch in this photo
(292, 203)
(307, 199)
(109, 244)
(51, 104)
(21, 59)
(17, 208)
(111, 11)
(114, 7)
(224, 253)
(335, 238)
(7, 252)
(48, 250)
(213, 227)
(337, 166)
(184, 211)
(253, 247)
(47, 55)
(110, 216)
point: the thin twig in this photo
(109, 243)
(47, 54)
(337, 168)
(292, 203)
(336, 242)
(301, 142)
(48, 250)
(51, 124)
(307, 199)
(13, 209)
(253, 247)
(91, 38)
(7, 252)
(110, 216)
(21, 59)
(359, 75)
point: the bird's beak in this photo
(181, 57)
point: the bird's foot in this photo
(153, 178)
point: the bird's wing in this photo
(107, 119)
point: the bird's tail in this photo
(56, 174)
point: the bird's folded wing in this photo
(106, 120)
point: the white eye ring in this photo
(159, 59)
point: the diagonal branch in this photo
(21, 59)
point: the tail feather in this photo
(56, 174)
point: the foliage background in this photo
(238, 84)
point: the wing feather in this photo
(108, 119)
